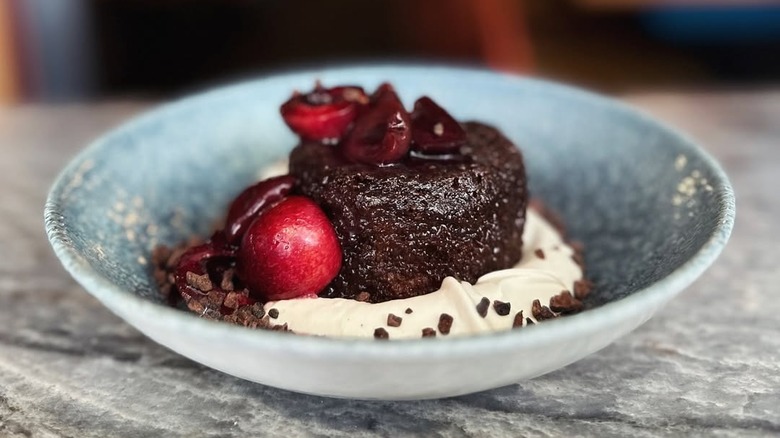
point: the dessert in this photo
(387, 224)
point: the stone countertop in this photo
(708, 365)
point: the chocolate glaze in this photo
(404, 228)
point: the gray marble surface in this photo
(709, 365)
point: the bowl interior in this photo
(642, 199)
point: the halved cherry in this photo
(195, 260)
(434, 130)
(324, 114)
(381, 134)
(253, 200)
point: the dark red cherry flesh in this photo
(382, 134)
(434, 130)
(252, 201)
(324, 114)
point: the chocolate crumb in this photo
(408, 310)
(363, 296)
(582, 288)
(280, 327)
(257, 310)
(381, 333)
(502, 308)
(231, 300)
(428, 332)
(394, 321)
(541, 312)
(529, 321)
(199, 282)
(482, 307)
(273, 313)
(227, 280)
(565, 303)
(518, 322)
(539, 253)
(445, 323)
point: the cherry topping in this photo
(434, 130)
(289, 251)
(252, 201)
(382, 134)
(323, 114)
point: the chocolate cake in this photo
(404, 227)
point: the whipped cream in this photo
(539, 275)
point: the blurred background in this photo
(77, 50)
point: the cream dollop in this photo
(539, 275)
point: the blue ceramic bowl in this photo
(652, 208)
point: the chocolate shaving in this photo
(541, 312)
(582, 288)
(502, 308)
(273, 313)
(394, 321)
(363, 296)
(408, 310)
(428, 332)
(539, 253)
(565, 303)
(518, 322)
(482, 307)
(381, 333)
(445, 323)
(199, 282)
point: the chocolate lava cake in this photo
(404, 227)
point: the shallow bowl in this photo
(652, 208)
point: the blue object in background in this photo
(60, 60)
(716, 25)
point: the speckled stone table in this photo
(709, 365)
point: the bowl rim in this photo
(598, 318)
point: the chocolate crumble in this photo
(518, 321)
(565, 303)
(393, 320)
(227, 280)
(539, 253)
(232, 300)
(541, 312)
(445, 323)
(273, 313)
(428, 332)
(482, 307)
(529, 321)
(408, 311)
(381, 333)
(502, 308)
(200, 282)
(363, 296)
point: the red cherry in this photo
(289, 251)
(195, 260)
(323, 114)
(252, 201)
(434, 130)
(383, 133)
